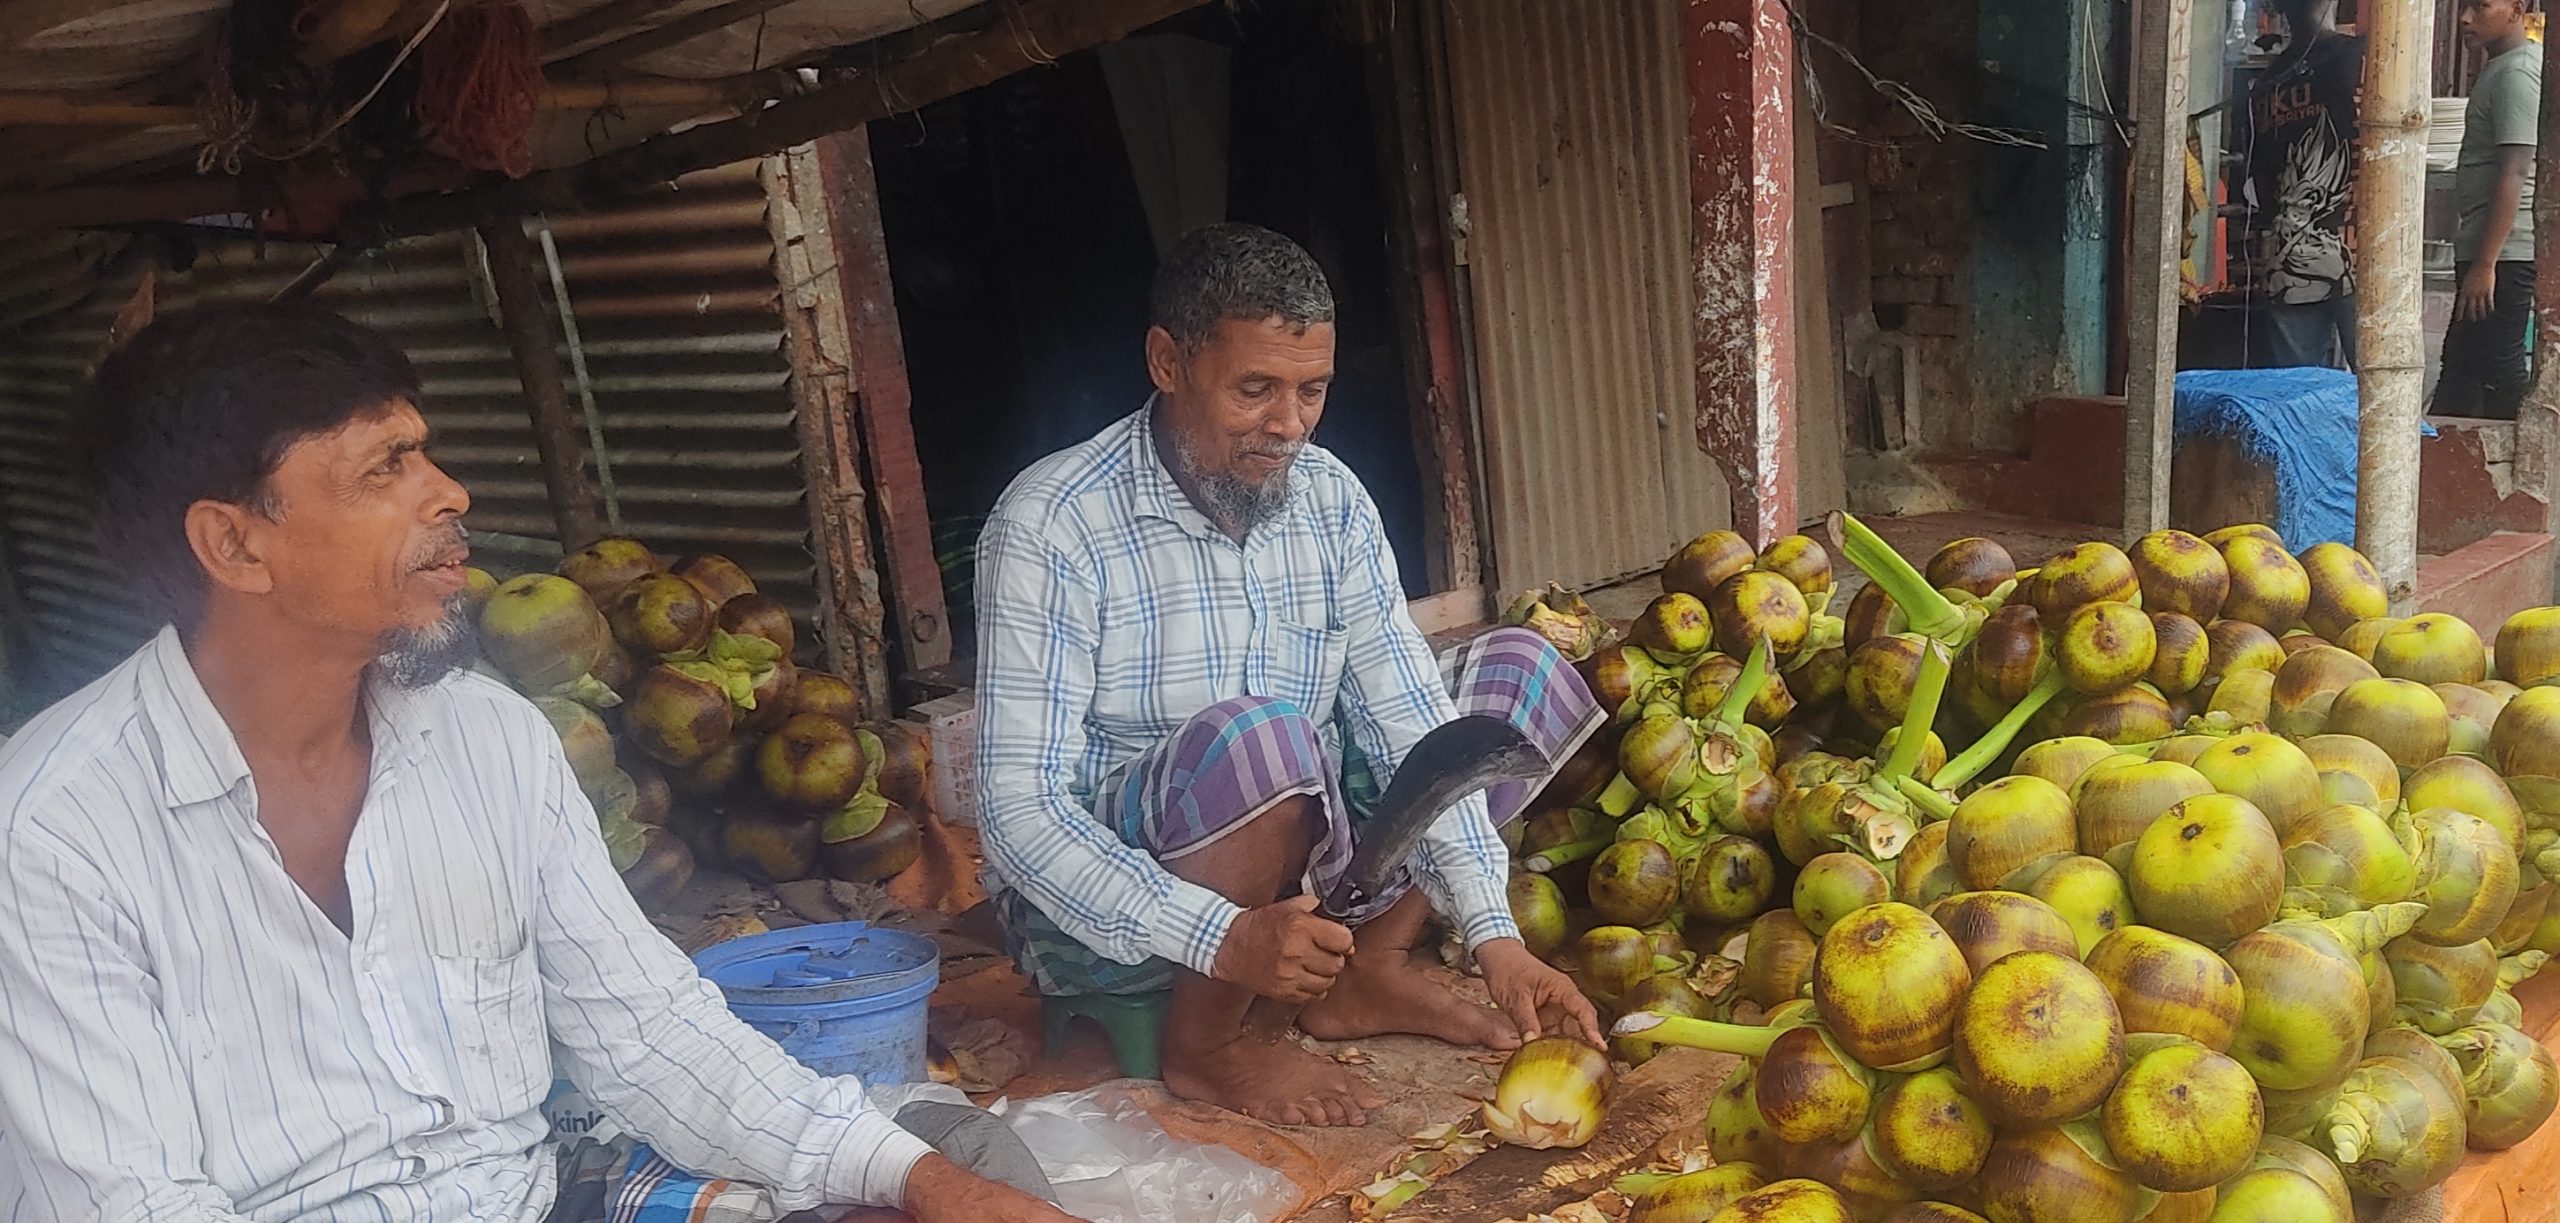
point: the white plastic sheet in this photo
(1111, 1163)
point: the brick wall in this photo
(1920, 205)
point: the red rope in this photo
(480, 86)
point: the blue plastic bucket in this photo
(843, 998)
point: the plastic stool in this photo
(1133, 1022)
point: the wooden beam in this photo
(2157, 222)
(349, 26)
(559, 442)
(1739, 59)
(883, 401)
(2390, 207)
(1040, 31)
(571, 33)
(850, 615)
(659, 38)
(77, 110)
(1426, 300)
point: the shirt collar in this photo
(200, 758)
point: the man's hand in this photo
(1284, 951)
(2478, 298)
(940, 1191)
(1540, 1000)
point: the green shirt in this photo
(2505, 109)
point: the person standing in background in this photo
(2486, 366)
(2302, 140)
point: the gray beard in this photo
(1229, 501)
(419, 657)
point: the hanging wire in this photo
(1921, 110)
(233, 123)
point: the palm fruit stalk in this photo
(1873, 815)
(1929, 612)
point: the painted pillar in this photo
(1740, 64)
(2043, 249)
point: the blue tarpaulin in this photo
(2301, 423)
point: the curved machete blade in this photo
(1453, 761)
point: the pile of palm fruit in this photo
(2172, 883)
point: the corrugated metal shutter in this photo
(1569, 123)
(674, 297)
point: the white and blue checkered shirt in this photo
(1110, 611)
(184, 1036)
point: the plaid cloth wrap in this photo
(624, 1182)
(1236, 758)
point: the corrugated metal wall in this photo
(674, 298)
(1570, 120)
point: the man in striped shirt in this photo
(1195, 665)
(293, 915)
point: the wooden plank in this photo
(1665, 1098)
(603, 21)
(659, 38)
(2157, 218)
(849, 612)
(1039, 31)
(2390, 208)
(1739, 60)
(883, 402)
(2522, 1183)
(559, 441)
(1426, 301)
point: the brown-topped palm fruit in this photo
(2469, 786)
(2529, 647)
(1928, 1133)
(1872, 613)
(2008, 826)
(661, 868)
(2182, 1117)
(2345, 857)
(2432, 648)
(1755, 606)
(2395, 1131)
(2508, 1083)
(1922, 875)
(1612, 960)
(720, 578)
(543, 632)
(584, 739)
(2104, 647)
(1989, 925)
(1549, 1095)
(477, 585)
(2404, 718)
(2244, 530)
(716, 775)
(2353, 770)
(811, 763)
(2116, 805)
(2304, 1009)
(2166, 984)
(2299, 640)
(759, 615)
(2180, 574)
(2307, 684)
(2410, 1044)
(2007, 655)
(1941, 1212)
(1730, 883)
(2244, 698)
(1537, 907)
(1852, 1170)
(2138, 714)
(2268, 770)
(2440, 990)
(2093, 572)
(1886, 981)
(1810, 1089)
(2468, 876)
(1787, 1201)
(1819, 677)
(1736, 1132)
(2288, 1154)
(2364, 636)
(657, 614)
(2087, 893)
(1834, 885)
(1804, 561)
(2237, 645)
(676, 718)
(2472, 713)
(2525, 747)
(2038, 1040)
(2057, 1175)
(827, 695)
(1673, 625)
(1777, 958)
(1680, 1197)
(2275, 1195)
(604, 567)
(2268, 587)
(1882, 676)
(2062, 761)
(1973, 565)
(1704, 563)
(2180, 652)
(619, 670)
(2345, 588)
(770, 846)
(860, 845)
(1662, 994)
(2211, 870)
(1634, 883)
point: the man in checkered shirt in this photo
(1195, 672)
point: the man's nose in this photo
(447, 498)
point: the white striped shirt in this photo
(184, 1035)
(1110, 611)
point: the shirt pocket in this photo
(497, 1045)
(1305, 667)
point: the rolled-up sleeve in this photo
(1393, 696)
(1038, 627)
(656, 1047)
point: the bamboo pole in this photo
(2158, 230)
(2390, 209)
(558, 441)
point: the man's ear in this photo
(225, 540)
(1164, 360)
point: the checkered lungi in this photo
(1236, 758)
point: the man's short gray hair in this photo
(1235, 271)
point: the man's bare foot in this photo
(1271, 1080)
(1385, 991)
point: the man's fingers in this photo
(1524, 1015)
(1331, 936)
